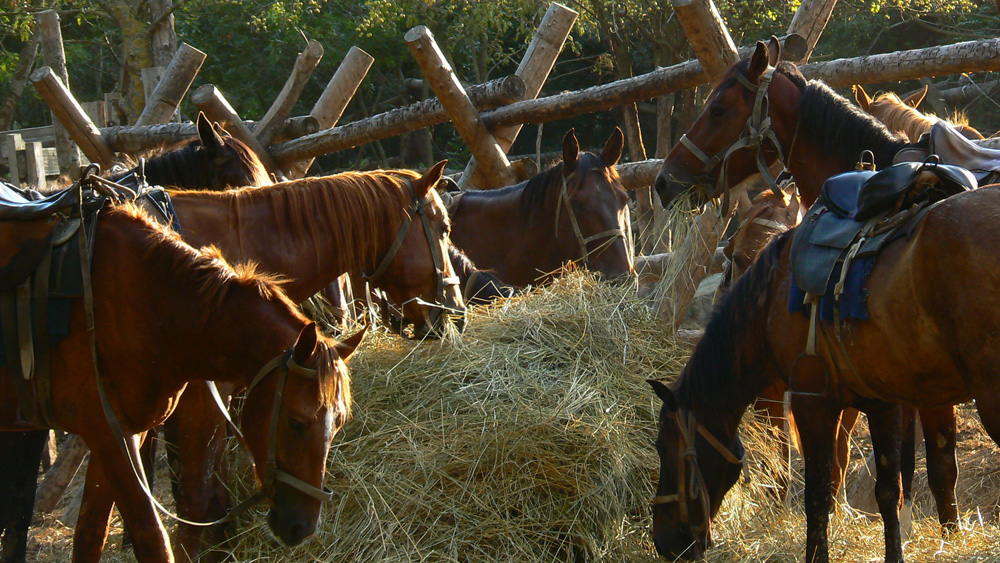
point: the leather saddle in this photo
(859, 212)
(28, 225)
(955, 149)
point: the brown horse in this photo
(215, 323)
(213, 161)
(929, 343)
(902, 115)
(819, 134)
(575, 211)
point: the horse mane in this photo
(534, 190)
(207, 274)
(841, 129)
(898, 116)
(712, 373)
(189, 166)
(335, 206)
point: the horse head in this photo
(760, 220)
(419, 274)
(226, 161)
(696, 472)
(732, 136)
(292, 410)
(592, 218)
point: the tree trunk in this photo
(135, 54)
(50, 38)
(17, 82)
(163, 36)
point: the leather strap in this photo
(43, 352)
(612, 234)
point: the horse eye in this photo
(716, 111)
(297, 425)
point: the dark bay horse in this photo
(213, 161)
(819, 134)
(185, 315)
(930, 342)
(576, 211)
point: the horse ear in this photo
(206, 132)
(346, 347)
(664, 393)
(613, 148)
(758, 62)
(913, 100)
(429, 179)
(773, 51)
(305, 344)
(862, 97)
(571, 152)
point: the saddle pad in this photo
(819, 241)
(59, 312)
(953, 148)
(853, 303)
(840, 191)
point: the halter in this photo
(417, 209)
(695, 487)
(614, 233)
(756, 131)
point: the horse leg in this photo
(95, 514)
(907, 465)
(942, 468)
(20, 477)
(841, 461)
(196, 452)
(817, 422)
(115, 474)
(885, 422)
(147, 453)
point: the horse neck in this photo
(177, 168)
(901, 117)
(246, 226)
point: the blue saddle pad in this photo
(853, 302)
(59, 310)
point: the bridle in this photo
(439, 306)
(690, 483)
(611, 234)
(756, 131)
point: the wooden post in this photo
(150, 78)
(534, 69)
(55, 58)
(210, 100)
(13, 143)
(68, 111)
(52, 487)
(34, 159)
(438, 72)
(809, 22)
(96, 112)
(708, 35)
(172, 87)
(335, 97)
(275, 117)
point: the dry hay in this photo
(529, 438)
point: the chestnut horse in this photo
(819, 134)
(576, 211)
(226, 324)
(902, 115)
(929, 343)
(213, 161)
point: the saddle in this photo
(859, 212)
(44, 242)
(955, 149)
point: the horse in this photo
(480, 287)
(903, 116)
(228, 322)
(761, 218)
(214, 161)
(928, 343)
(817, 133)
(575, 211)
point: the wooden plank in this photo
(55, 58)
(150, 78)
(163, 100)
(210, 100)
(35, 164)
(708, 35)
(68, 111)
(96, 112)
(534, 70)
(44, 134)
(333, 101)
(11, 145)
(281, 108)
(440, 75)
(809, 22)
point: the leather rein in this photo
(690, 483)
(439, 306)
(755, 133)
(610, 234)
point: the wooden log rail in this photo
(173, 86)
(69, 113)
(132, 139)
(306, 62)
(210, 100)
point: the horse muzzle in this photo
(292, 527)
